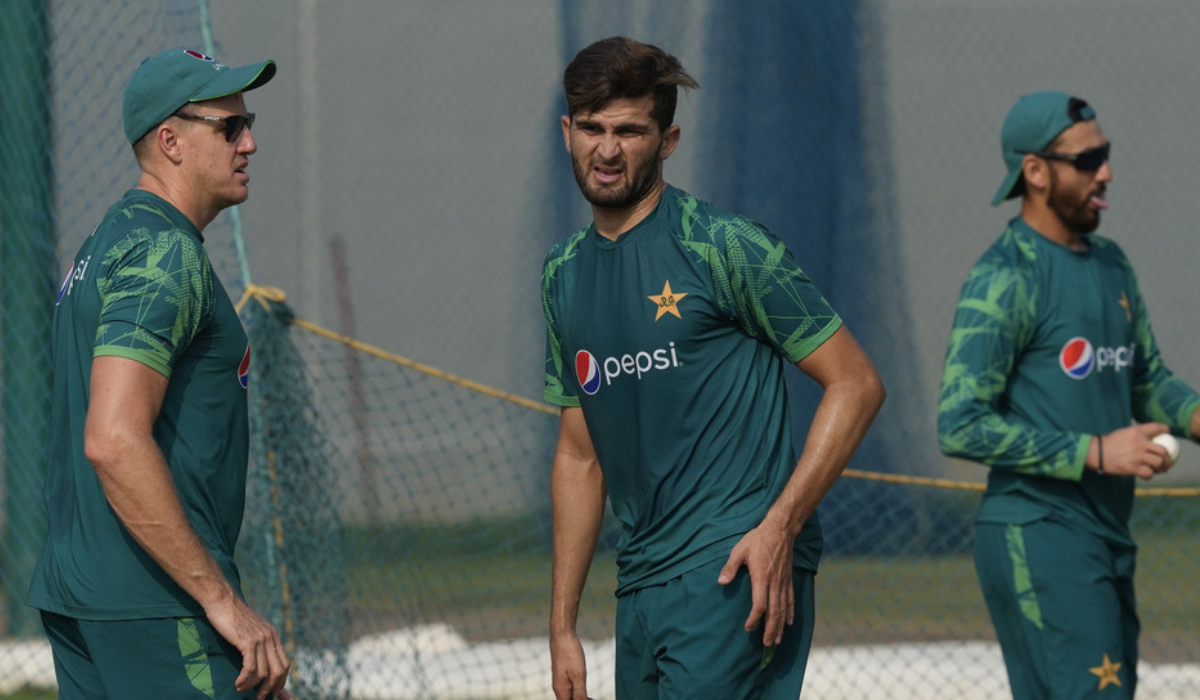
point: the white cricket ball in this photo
(1169, 442)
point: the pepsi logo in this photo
(66, 283)
(244, 369)
(75, 274)
(588, 372)
(593, 372)
(1077, 358)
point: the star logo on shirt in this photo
(667, 301)
(1107, 673)
(1124, 302)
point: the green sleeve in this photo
(995, 319)
(557, 390)
(156, 294)
(1158, 395)
(759, 283)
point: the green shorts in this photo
(1063, 606)
(142, 659)
(685, 639)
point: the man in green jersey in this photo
(1053, 379)
(670, 323)
(139, 592)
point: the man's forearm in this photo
(578, 506)
(842, 419)
(139, 487)
(126, 397)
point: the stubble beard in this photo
(1075, 214)
(641, 179)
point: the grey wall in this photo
(419, 133)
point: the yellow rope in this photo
(1176, 492)
(265, 294)
(262, 294)
(425, 369)
(973, 486)
(917, 480)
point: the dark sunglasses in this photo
(1088, 161)
(231, 126)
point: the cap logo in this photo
(216, 65)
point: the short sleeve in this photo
(557, 389)
(156, 294)
(765, 289)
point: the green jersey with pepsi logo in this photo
(673, 340)
(142, 288)
(1050, 346)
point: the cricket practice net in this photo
(410, 176)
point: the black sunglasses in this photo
(231, 126)
(1088, 161)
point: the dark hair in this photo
(619, 67)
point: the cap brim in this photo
(237, 80)
(1006, 187)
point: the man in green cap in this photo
(145, 490)
(1053, 379)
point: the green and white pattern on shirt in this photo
(688, 321)
(1007, 400)
(142, 288)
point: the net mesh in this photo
(397, 528)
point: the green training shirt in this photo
(142, 288)
(673, 339)
(1050, 346)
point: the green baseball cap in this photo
(168, 81)
(1032, 124)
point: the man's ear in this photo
(670, 141)
(167, 141)
(1036, 172)
(566, 127)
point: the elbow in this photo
(878, 390)
(861, 393)
(945, 444)
(103, 448)
(873, 392)
(945, 433)
(98, 451)
(951, 437)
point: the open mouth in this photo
(606, 176)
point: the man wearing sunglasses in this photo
(139, 592)
(1053, 380)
